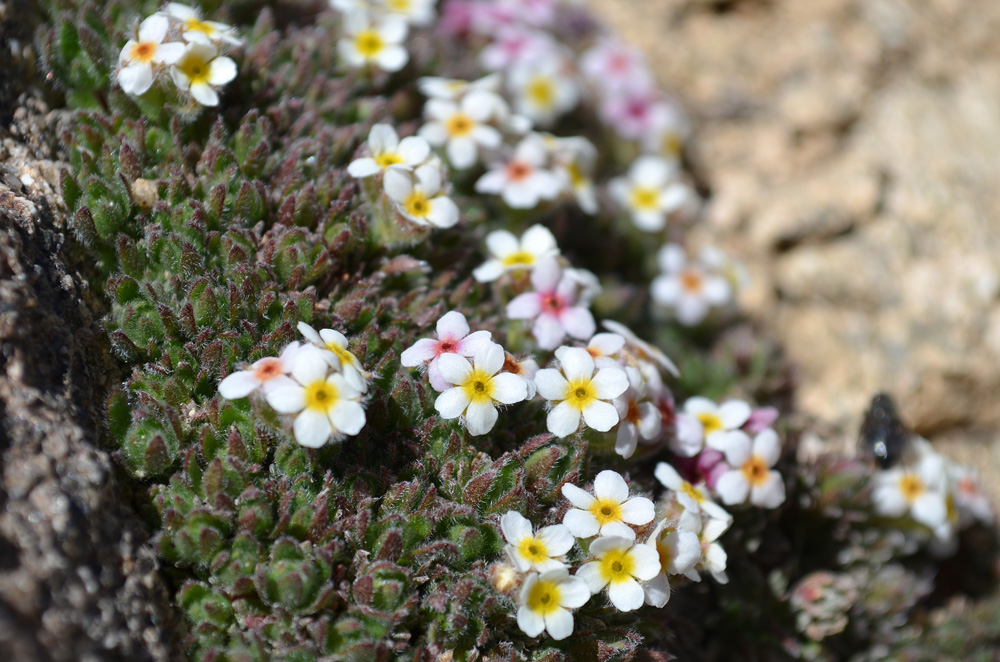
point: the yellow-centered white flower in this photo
(137, 59)
(579, 393)
(918, 491)
(418, 13)
(461, 127)
(608, 511)
(650, 192)
(194, 29)
(387, 150)
(419, 197)
(545, 601)
(326, 404)
(478, 386)
(508, 253)
(750, 471)
(336, 354)
(200, 70)
(377, 43)
(620, 564)
(542, 551)
(672, 480)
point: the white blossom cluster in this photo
(178, 43)
(319, 385)
(374, 30)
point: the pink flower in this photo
(513, 45)
(453, 337)
(614, 66)
(761, 419)
(634, 113)
(552, 306)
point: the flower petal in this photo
(733, 487)
(577, 363)
(550, 384)
(610, 485)
(592, 576)
(348, 416)
(452, 402)
(515, 527)
(574, 592)
(771, 494)
(638, 511)
(557, 538)
(626, 595)
(286, 399)
(530, 622)
(480, 417)
(600, 415)
(578, 497)
(767, 446)
(454, 368)
(564, 419)
(312, 428)
(734, 413)
(508, 388)
(452, 326)
(221, 71)
(559, 623)
(363, 167)
(610, 382)
(422, 351)
(238, 385)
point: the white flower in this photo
(544, 601)
(620, 564)
(199, 71)
(638, 417)
(138, 57)
(388, 150)
(453, 337)
(477, 386)
(327, 404)
(196, 30)
(679, 551)
(507, 253)
(918, 491)
(543, 88)
(713, 557)
(418, 196)
(697, 494)
(690, 289)
(415, 12)
(750, 470)
(604, 347)
(641, 349)
(535, 551)
(265, 373)
(971, 502)
(670, 130)
(608, 511)
(650, 192)
(378, 44)
(461, 127)
(523, 181)
(574, 159)
(705, 423)
(453, 89)
(553, 306)
(334, 344)
(577, 392)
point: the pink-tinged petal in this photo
(452, 403)
(734, 413)
(452, 326)
(531, 623)
(454, 368)
(767, 446)
(638, 511)
(610, 382)
(771, 494)
(287, 399)
(600, 415)
(578, 322)
(501, 243)
(515, 527)
(363, 167)
(546, 275)
(564, 420)
(312, 428)
(578, 497)
(348, 417)
(525, 306)
(647, 562)
(548, 331)
(610, 485)
(576, 363)
(591, 575)
(480, 417)
(551, 384)
(761, 419)
(574, 592)
(626, 595)
(238, 385)
(557, 538)
(733, 487)
(438, 382)
(421, 352)
(509, 388)
(657, 591)
(738, 449)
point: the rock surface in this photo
(851, 148)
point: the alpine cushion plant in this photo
(308, 410)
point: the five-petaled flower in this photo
(419, 196)
(540, 551)
(554, 306)
(461, 127)
(508, 253)
(524, 180)
(388, 150)
(692, 289)
(650, 192)
(453, 337)
(199, 70)
(620, 564)
(377, 43)
(580, 393)
(750, 471)
(478, 386)
(336, 354)
(138, 58)
(545, 601)
(608, 511)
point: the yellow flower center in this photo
(691, 280)
(369, 43)
(606, 510)
(519, 259)
(580, 393)
(143, 51)
(911, 486)
(755, 471)
(417, 205)
(195, 69)
(645, 198)
(541, 91)
(346, 358)
(617, 566)
(321, 395)
(459, 125)
(666, 554)
(478, 386)
(194, 25)
(693, 492)
(576, 178)
(387, 159)
(544, 598)
(533, 549)
(401, 6)
(711, 422)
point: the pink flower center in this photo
(448, 346)
(518, 170)
(553, 304)
(268, 369)
(637, 109)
